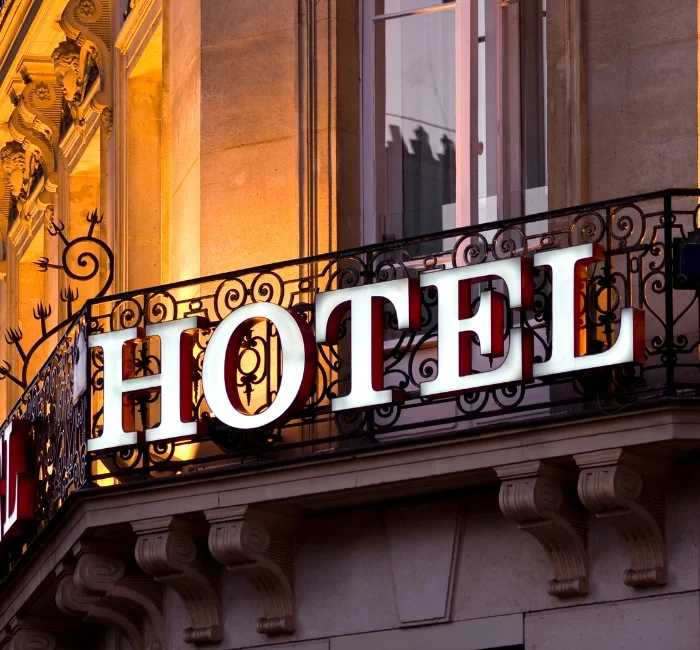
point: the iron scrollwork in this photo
(636, 236)
(633, 233)
(83, 258)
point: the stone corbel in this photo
(88, 24)
(532, 496)
(611, 485)
(26, 634)
(100, 588)
(259, 545)
(166, 549)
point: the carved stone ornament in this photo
(29, 161)
(87, 9)
(611, 485)
(259, 545)
(532, 496)
(17, 165)
(66, 62)
(107, 118)
(167, 550)
(83, 62)
(26, 634)
(101, 589)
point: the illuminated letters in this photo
(366, 305)
(457, 326)
(221, 363)
(17, 486)
(174, 381)
(568, 283)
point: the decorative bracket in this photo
(26, 634)
(166, 550)
(259, 545)
(611, 486)
(101, 589)
(532, 496)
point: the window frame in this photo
(504, 127)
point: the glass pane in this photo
(416, 125)
(481, 93)
(486, 111)
(395, 6)
(533, 95)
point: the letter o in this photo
(220, 366)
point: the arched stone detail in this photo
(619, 488)
(532, 495)
(259, 545)
(167, 550)
(100, 588)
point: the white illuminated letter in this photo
(569, 275)
(18, 485)
(221, 363)
(457, 326)
(366, 305)
(174, 381)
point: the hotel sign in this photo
(457, 326)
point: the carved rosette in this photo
(260, 546)
(101, 589)
(611, 485)
(167, 550)
(532, 496)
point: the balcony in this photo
(645, 240)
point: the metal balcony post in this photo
(668, 293)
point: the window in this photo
(454, 98)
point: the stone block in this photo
(480, 634)
(230, 20)
(250, 194)
(671, 622)
(185, 36)
(248, 92)
(185, 117)
(185, 227)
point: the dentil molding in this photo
(167, 550)
(532, 496)
(611, 484)
(259, 545)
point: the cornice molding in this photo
(137, 28)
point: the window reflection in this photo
(416, 111)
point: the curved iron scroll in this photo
(80, 262)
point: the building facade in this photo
(347, 324)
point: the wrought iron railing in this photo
(637, 235)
